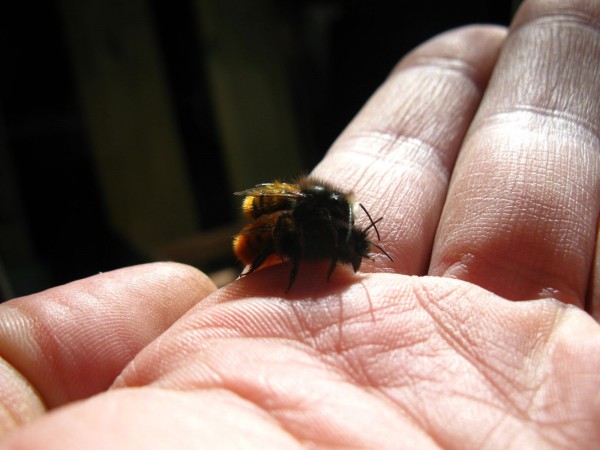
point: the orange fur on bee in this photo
(255, 238)
(269, 197)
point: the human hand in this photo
(489, 186)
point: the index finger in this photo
(398, 153)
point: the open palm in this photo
(482, 153)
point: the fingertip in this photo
(577, 11)
(472, 49)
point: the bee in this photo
(308, 220)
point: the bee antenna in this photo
(350, 223)
(382, 250)
(372, 222)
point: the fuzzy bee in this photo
(307, 220)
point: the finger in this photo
(151, 418)
(593, 294)
(521, 214)
(398, 153)
(72, 341)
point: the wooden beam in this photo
(130, 120)
(246, 55)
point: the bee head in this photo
(358, 248)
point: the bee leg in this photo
(335, 250)
(296, 254)
(332, 266)
(258, 261)
(293, 273)
(277, 233)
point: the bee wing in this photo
(273, 190)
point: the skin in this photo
(482, 152)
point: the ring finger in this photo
(522, 210)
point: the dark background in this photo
(53, 216)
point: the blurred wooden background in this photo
(126, 125)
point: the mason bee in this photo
(308, 220)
